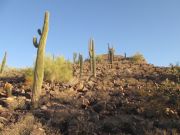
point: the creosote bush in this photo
(57, 69)
(137, 58)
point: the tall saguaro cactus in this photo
(3, 63)
(81, 64)
(92, 57)
(111, 54)
(39, 66)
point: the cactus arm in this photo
(39, 32)
(35, 42)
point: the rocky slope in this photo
(125, 98)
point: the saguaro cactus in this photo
(92, 57)
(125, 56)
(3, 63)
(81, 64)
(110, 54)
(39, 66)
(74, 57)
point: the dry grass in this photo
(23, 127)
(162, 132)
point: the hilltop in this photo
(126, 97)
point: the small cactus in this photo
(92, 57)
(81, 64)
(3, 63)
(39, 66)
(111, 54)
(8, 88)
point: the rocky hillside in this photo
(125, 98)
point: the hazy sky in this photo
(151, 27)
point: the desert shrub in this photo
(99, 58)
(28, 76)
(175, 69)
(168, 83)
(137, 58)
(57, 69)
(10, 72)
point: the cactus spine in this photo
(81, 64)
(3, 63)
(92, 57)
(39, 66)
(111, 54)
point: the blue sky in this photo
(151, 27)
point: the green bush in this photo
(57, 69)
(99, 58)
(137, 58)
